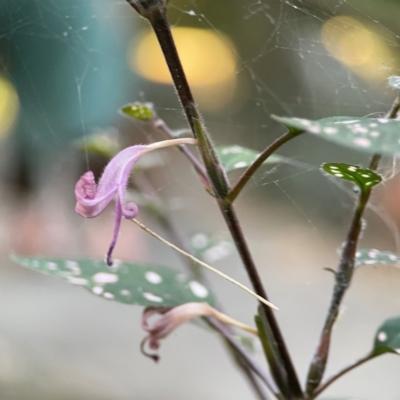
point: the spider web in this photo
(67, 60)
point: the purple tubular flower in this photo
(172, 318)
(91, 200)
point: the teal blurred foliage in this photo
(67, 62)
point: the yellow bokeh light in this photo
(9, 106)
(208, 59)
(357, 46)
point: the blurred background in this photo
(67, 67)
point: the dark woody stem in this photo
(342, 278)
(156, 14)
(233, 224)
(159, 22)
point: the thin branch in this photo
(342, 372)
(199, 168)
(203, 264)
(342, 282)
(343, 277)
(249, 172)
(241, 350)
(392, 114)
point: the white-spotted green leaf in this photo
(238, 157)
(372, 135)
(211, 248)
(387, 338)
(144, 285)
(373, 257)
(394, 81)
(139, 111)
(364, 178)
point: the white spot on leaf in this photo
(108, 295)
(153, 277)
(199, 241)
(362, 142)
(198, 289)
(240, 164)
(97, 290)
(77, 281)
(73, 266)
(330, 131)
(152, 297)
(382, 336)
(314, 129)
(52, 266)
(104, 277)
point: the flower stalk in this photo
(203, 264)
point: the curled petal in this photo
(130, 210)
(91, 200)
(173, 318)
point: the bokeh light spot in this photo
(9, 106)
(357, 46)
(208, 58)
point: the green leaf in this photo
(211, 248)
(387, 338)
(140, 111)
(364, 178)
(373, 256)
(372, 135)
(237, 157)
(144, 285)
(104, 144)
(394, 81)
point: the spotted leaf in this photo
(238, 157)
(387, 338)
(364, 178)
(373, 256)
(394, 81)
(144, 285)
(139, 111)
(211, 248)
(372, 135)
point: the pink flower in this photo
(175, 317)
(91, 200)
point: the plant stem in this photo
(241, 350)
(343, 277)
(342, 282)
(392, 114)
(243, 249)
(249, 172)
(158, 19)
(343, 371)
(199, 168)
